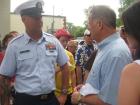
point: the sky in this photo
(72, 9)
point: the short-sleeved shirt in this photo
(113, 54)
(83, 54)
(33, 63)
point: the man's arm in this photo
(73, 77)
(79, 62)
(65, 83)
(79, 75)
(72, 68)
(4, 90)
(92, 99)
(65, 76)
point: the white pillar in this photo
(4, 17)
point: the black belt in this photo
(38, 97)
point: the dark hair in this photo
(131, 20)
(13, 32)
(104, 13)
(5, 39)
(136, 54)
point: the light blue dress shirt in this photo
(113, 54)
(33, 63)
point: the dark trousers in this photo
(68, 101)
(24, 99)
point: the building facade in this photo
(50, 23)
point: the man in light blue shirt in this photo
(102, 84)
(32, 58)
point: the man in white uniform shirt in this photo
(32, 57)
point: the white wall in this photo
(4, 17)
(17, 25)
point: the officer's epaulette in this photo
(17, 37)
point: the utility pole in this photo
(52, 26)
(64, 23)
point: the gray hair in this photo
(103, 13)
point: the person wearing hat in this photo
(31, 58)
(64, 36)
(82, 55)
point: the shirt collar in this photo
(28, 38)
(107, 40)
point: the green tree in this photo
(76, 31)
(118, 22)
(70, 27)
(124, 4)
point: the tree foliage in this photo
(118, 22)
(124, 4)
(76, 31)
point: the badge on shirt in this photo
(50, 46)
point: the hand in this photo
(77, 88)
(62, 99)
(57, 69)
(75, 97)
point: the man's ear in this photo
(100, 24)
(23, 18)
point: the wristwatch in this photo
(64, 91)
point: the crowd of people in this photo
(37, 68)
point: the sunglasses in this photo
(88, 35)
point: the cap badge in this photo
(39, 5)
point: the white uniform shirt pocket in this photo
(51, 53)
(25, 59)
(23, 55)
(51, 57)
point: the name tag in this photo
(25, 51)
(51, 52)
